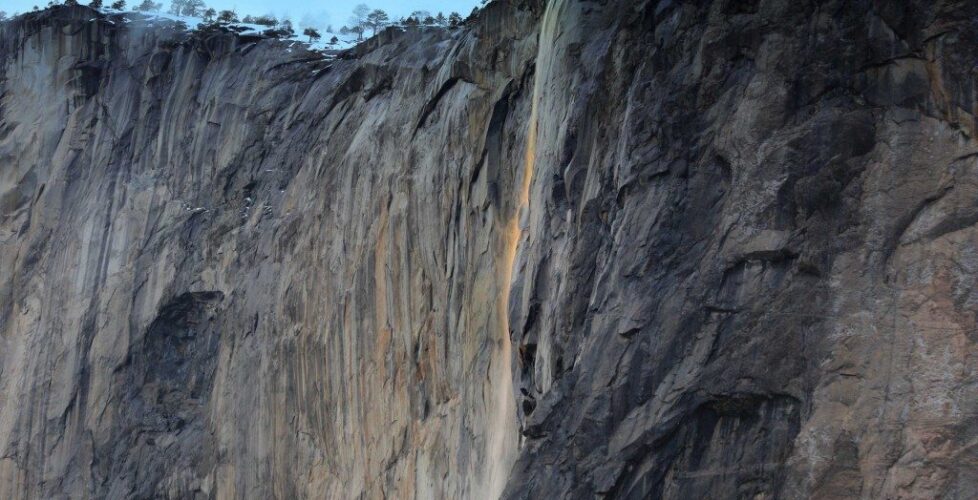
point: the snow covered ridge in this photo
(326, 43)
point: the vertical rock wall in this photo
(627, 249)
(746, 269)
(235, 269)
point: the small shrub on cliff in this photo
(71, 3)
(265, 21)
(170, 44)
(284, 30)
(454, 20)
(119, 5)
(228, 16)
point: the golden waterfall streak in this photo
(503, 434)
(503, 431)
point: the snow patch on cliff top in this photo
(343, 41)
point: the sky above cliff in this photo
(337, 12)
(321, 14)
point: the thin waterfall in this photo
(503, 433)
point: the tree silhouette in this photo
(359, 19)
(149, 5)
(454, 20)
(192, 8)
(312, 34)
(377, 19)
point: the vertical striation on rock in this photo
(235, 271)
(714, 299)
(621, 249)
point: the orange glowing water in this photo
(503, 432)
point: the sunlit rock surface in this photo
(627, 248)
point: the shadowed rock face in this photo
(167, 383)
(630, 249)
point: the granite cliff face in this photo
(611, 248)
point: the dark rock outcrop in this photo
(630, 249)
